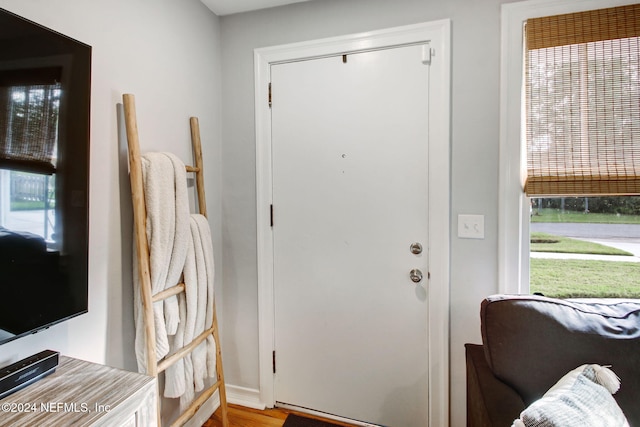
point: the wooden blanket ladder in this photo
(154, 366)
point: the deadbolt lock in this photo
(416, 248)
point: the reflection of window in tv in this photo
(28, 204)
(29, 112)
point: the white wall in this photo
(475, 132)
(167, 53)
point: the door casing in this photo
(438, 35)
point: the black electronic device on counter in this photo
(26, 371)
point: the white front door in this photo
(350, 138)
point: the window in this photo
(582, 126)
(581, 115)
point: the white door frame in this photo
(438, 35)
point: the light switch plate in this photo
(471, 226)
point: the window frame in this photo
(513, 205)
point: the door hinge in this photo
(274, 361)
(271, 214)
(269, 94)
(427, 53)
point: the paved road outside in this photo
(629, 232)
(621, 236)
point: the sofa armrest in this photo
(490, 402)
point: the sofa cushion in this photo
(531, 341)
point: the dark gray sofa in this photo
(529, 342)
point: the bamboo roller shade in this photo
(582, 83)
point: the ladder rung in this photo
(196, 404)
(181, 352)
(192, 169)
(169, 292)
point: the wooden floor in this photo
(239, 416)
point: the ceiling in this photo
(228, 7)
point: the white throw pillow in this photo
(582, 398)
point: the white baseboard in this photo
(243, 396)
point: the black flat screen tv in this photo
(45, 81)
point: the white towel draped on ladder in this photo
(178, 243)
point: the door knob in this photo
(415, 275)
